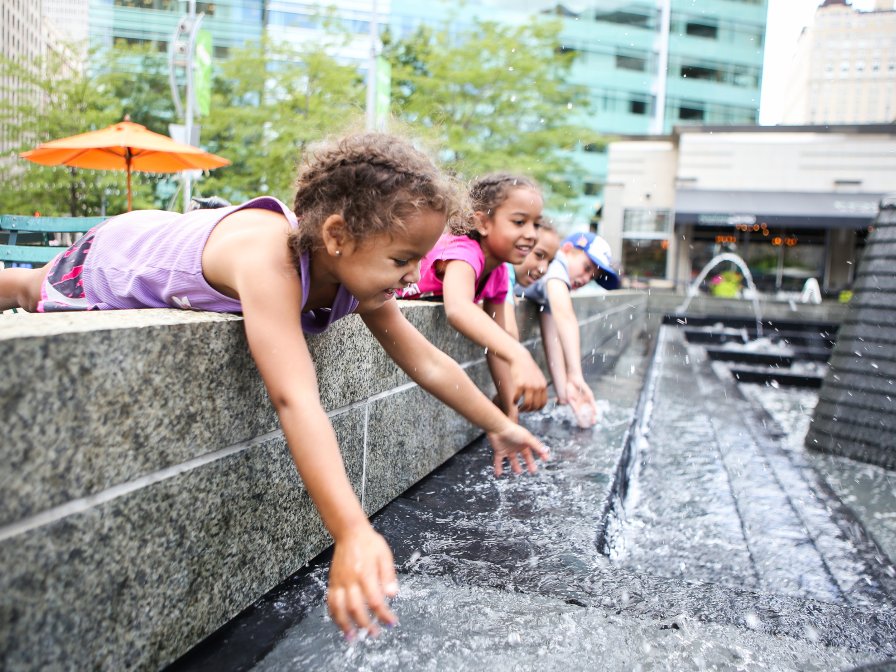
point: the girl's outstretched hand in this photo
(362, 576)
(512, 442)
(529, 384)
(581, 400)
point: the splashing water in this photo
(742, 265)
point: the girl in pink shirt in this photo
(468, 269)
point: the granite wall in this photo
(147, 492)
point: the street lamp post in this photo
(180, 55)
(371, 69)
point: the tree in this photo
(269, 101)
(494, 98)
(47, 99)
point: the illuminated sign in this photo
(726, 220)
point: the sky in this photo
(786, 18)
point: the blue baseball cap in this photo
(598, 251)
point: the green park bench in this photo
(35, 247)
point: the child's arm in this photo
(463, 314)
(362, 572)
(442, 377)
(505, 316)
(553, 351)
(564, 317)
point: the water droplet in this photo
(811, 633)
(752, 620)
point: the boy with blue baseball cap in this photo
(582, 257)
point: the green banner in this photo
(202, 72)
(383, 91)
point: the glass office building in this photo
(232, 23)
(648, 65)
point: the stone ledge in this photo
(148, 495)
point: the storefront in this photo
(795, 202)
(784, 237)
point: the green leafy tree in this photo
(269, 101)
(497, 97)
(46, 100)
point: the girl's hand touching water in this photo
(512, 442)
(362, 576)
(530, 388)
(581, 400)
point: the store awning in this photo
(795, 210)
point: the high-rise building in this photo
(649, 65)
(27, 36)
(232, 23)
(844, 71)
(69, 17)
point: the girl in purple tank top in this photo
(368, 208)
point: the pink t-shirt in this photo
(449, 248)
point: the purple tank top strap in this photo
(317, 321)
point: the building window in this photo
(166, 5)
(646, 221)
(207, 8)
(591, 189)
(701, 30)
(637, 107)
(691, 113)
(698, 72)
(637, 19)
(644, 258)
(624, 62)
(591, 148)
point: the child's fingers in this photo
(530, 461)
(338, 611)
(499, 465)
(542, 450)
(376, 601)
(542, 397)
(388, 578)
(514, 464)
(356, 606)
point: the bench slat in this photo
(29, 254)
(49, 224)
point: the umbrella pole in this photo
(129, 181)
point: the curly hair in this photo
(374, 181)
(488, 192)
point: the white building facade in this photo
(794, 202)
(844, 71)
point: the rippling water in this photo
(450, 627)
(869, 490)
(505, 575)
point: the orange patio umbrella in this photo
(124, 146)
